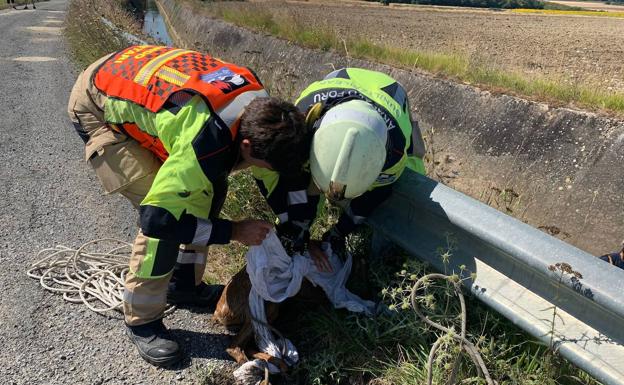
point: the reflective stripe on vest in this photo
(145, 73)
(148, 75)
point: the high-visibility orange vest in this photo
(148, 75)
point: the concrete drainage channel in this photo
(554, 168)
(563, 163)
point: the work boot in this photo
(154, 343)
(202, 295)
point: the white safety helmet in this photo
(348, 150)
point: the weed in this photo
(393, 348)
(560, 271)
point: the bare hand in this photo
(250, 232)
(320, 259)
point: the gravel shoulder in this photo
(50, 196)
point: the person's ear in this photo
(245, 148)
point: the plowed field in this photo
(568, 48)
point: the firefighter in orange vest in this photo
(164, 127)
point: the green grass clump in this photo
(262, 19)
(455, 66)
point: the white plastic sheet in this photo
(275, 276)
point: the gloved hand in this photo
(337, 242)
(294, 236)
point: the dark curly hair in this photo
(278, 134)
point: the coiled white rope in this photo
(87, 274)
(95, 278)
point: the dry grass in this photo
(243, 201)
(89, 37)
(224, 262)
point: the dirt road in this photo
(50, 196)
(571, 48)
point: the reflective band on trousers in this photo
(297, 197)
(186, 258)
(142, 299)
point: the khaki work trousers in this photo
(124, 167)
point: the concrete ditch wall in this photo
(555, 168)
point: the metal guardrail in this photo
(511, 260)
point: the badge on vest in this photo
(225, 80)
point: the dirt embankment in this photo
(554, 168)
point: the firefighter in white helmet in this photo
(364, 138)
